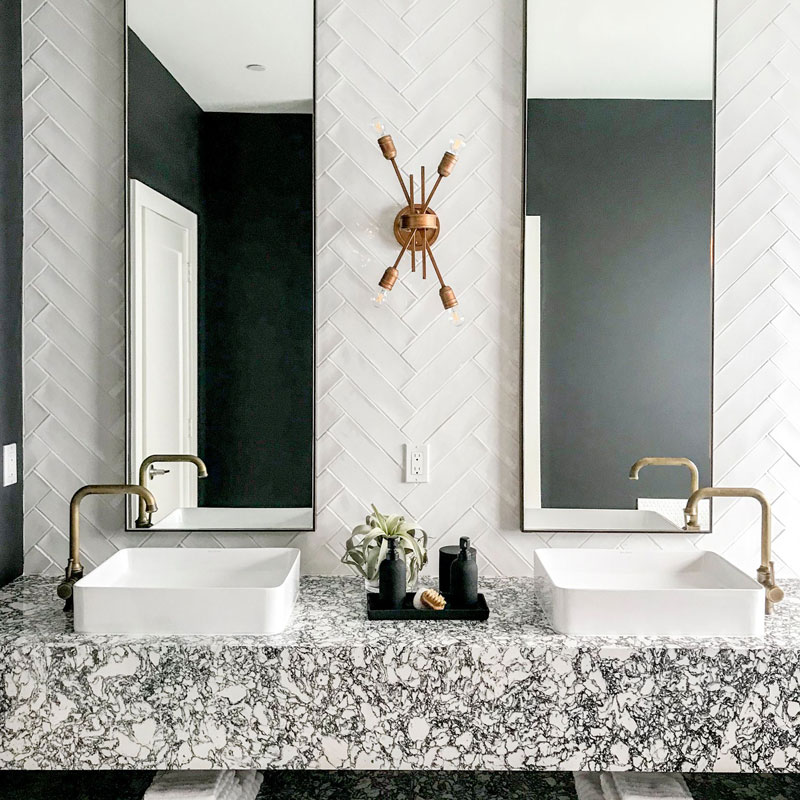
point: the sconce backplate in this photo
(419, 222)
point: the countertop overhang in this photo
(335, 691)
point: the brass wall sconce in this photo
(416, 226)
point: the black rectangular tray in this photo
(478, 612)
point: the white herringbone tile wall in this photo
(430, 70)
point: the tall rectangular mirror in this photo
(618, 265)
(220, 263)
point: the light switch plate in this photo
(417, 458)
(9, 464)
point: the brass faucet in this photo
(766, 572)
(144, 520)
(661, 461)
(74, 570)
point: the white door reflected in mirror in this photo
(164, 342)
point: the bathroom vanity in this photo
(335, 691)
(251, 346)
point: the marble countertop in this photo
(330, 612)
(336, 691)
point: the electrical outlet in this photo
(417, 457)
(9, 464)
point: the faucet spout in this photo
(666, 461)
(74, 569)
(144, 520)
(766, 571)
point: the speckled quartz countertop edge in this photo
(330, 613)
(336, 691)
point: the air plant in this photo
(368, 544)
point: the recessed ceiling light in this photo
(256, 67)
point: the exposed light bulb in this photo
(376, 126)
(381, 300)
(454, 316)
(457, 145)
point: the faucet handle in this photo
(64, 590)
(152, 471)
(766, 577)
(774, 594)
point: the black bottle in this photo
(447, 555)
(464, 576)
(392, 578)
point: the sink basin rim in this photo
(732, 607)
(121, 596)
(95, 579)
(749, 583)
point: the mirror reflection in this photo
(618, 262)
(221, 262)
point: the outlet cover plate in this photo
(9, 464)
(417, 463)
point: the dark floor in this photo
(384, 786)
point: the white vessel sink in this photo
(208, 518)
(611, 593)
(152, 590)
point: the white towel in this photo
(646, 786)
(205, 777)
(227, 784)
(610, 791)
(195, 785)
(587, 785)
(250, 782)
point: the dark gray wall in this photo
(625, 192)
(163, 129)
(249, 178)
(257, 314)
(11, 282)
